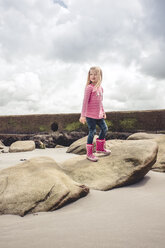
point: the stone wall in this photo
(135, 121)
(32, 124)
(117, 121)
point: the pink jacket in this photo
(92, 104)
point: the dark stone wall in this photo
(117, 121)
(151, 120)
(32, 124)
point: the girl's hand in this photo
(104, 116)
(82, 119)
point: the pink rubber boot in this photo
(100, 147)
(90, 154)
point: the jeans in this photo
(92, 128)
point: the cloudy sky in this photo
(48, 46)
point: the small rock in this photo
(59, 146)
(22, 146)
(39, 144)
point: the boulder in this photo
(128, 163)
(79, 146)
(22, 146)
(159, 166)
(36, 185)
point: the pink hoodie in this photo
(92, 104)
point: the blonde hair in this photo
(98, 69)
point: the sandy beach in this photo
(127, 217)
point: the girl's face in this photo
(94, 76)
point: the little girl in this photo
(93, 113)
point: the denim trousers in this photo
(92, 128)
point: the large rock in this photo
(36, 185)
(128, 163)
(79, 146)
(159, 166)
(22, 146)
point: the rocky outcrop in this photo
(128, 163)
(36, 185)
(57, 138)
(49, 140)
(159, 166)
(22, 146)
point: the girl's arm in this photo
(88, 91)
(104, 114)
(82, 119)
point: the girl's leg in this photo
(103, 126)
(90, 147)
(100, 142)
(92, 129)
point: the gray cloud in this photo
(151, 61)
(155, 17)
(47, 47)
(93, 32)
(61, 3)
(154, 63)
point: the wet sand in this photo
(127, 217)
